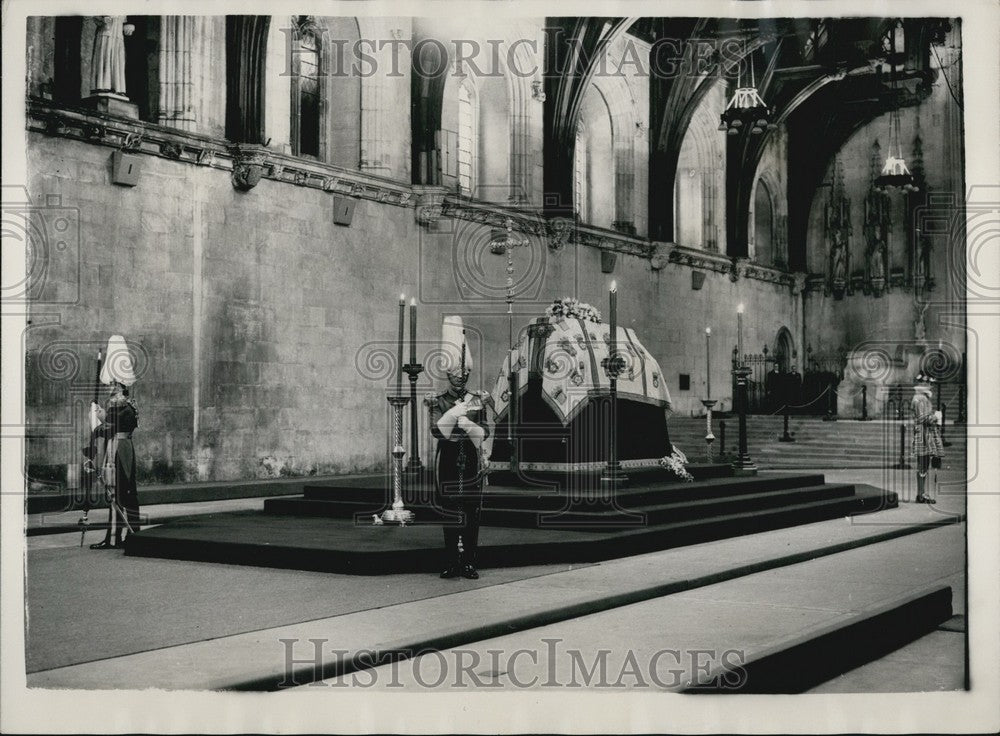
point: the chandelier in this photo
(746, 110)
(895, 173)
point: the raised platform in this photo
(330, 528)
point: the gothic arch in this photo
(340, 106)
(621, 110)
(500, 154)
(762, 214)
(700, 177)
(784, 351)
(599, 179)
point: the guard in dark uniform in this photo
(463, 422)
(115, 459)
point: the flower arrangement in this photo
(568, 307)
(674, 462)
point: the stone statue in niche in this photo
(108, 60)
(919, 325)
(923, 277)
(878, 224)
(876, 266)
(837, 223)
(838, 260)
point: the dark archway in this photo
(785, 354)
(763, 224)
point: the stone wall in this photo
(258, 323)
(892, 318)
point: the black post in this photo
(743, 465)
(864, 402)
(512, 419)
(414, 466)
(902, 464)
(785, 437)
(830, 416)
(944, 417)
(613, 475)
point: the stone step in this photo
(342, 545)
(803, 660)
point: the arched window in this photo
(595, 160)
(699, 207)
(763, 250)
(580, 164)
(689, 197)
(306, 96)
(468, 137)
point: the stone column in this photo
(177, 104)
(378, 133)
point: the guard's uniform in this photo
(120, 420)
(114, 433)
(459, 470)
(926, 433)
(927, 443)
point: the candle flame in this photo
(402, 298)
(614, 286)
(413, 302)
(739, 309)
(708, 330)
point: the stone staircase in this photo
(818, 444)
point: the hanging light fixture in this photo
(895, 172)
(746, 110)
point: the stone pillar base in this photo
(112, 104)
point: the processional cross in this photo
(504, 243)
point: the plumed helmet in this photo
(454, 346)
(118, 365)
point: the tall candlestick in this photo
(739, 334)
(613, 309)
(399, 346)
(613, 475)
(708, 361)
(413, 331)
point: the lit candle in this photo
(739, 334)
(413, 331)
(708, 361)
(399, 346)
(613, 328)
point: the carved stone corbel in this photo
(558, 232)
(660, 256)
(737, 268)
(248, 166)
(429, 207)
(171, 150)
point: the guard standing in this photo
(115, 459)
(927, 445)
(463, 423)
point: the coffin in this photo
(562, 388)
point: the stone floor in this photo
(196, 625)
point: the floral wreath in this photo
(674, 462)
(568, 307)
